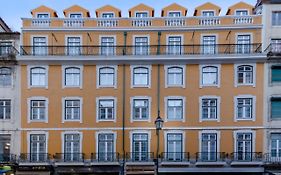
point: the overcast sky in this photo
(13, 10)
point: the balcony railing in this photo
(34, 157)
(175, 157)
(274, 49)
(107, 22)
(139, 156)
(41, 22)
(210, 156)
(105, 157)
(73, 22)
(243, 20)
(8, 51)
(247, 156)
(209, 21)
(69, 157)
(272, 158)
(171, 22)
(141, 22)
(7, 158)
(241, 49)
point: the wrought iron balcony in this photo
(139, 156)
(175, 157)
(172, 50)
(246, 156)
(272, 158)
(69, 157)
(7, 158)
(274, 50)
(210, 156)
(34, 158)
(8, 52)
(105, 157)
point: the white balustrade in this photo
(175, 22)
(141, 22)
(73, 23)
(209, 21)
(107, 23)
(41, 22)
(243, 20)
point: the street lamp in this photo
(158, 125)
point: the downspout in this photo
(124, 103)
(125, 44)
(159, 43)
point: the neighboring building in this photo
(91, 89)
(9, 95)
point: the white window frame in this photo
(166, 67)
(251, 40)
(64, 67)
(201, 76)
(236, 119)
(216, 44)
(132, 108)
(134, 44)
(268, 138)
(12, 115)
(202, 11)
(210, 132)
(73, 13)
(114, 110)
(63, 109)
(13, 72)
(29, 109)
(236, 84)
(144, 11)
(72, 132)
(183, 108)
(148, 132)
(243, 132)
(149, 67)
(41, 36)
(241, 10)
(42, 13)
(182, 42)
(29, 67)
(98, 67)
(106, 132)
(29, 133)
(73, 36)
(275, 11)
(174, 11)
(218, 98)
(114, 44)
(175, 132)
(107, 13)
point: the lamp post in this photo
(158, 125)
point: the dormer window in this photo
(241, 12)
(75, 15)
(174, 14)
(208, 13)
(43, 15)
(141, 14)
(108, 15)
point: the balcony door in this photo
(209, 147)
(40, 46)
(73, 46)
(275, 149)
(140, 147)
(243, 44)
(37, 147)
(71, 147)
(105, 147)
(209, 45)
(174, 147)
(244, 147)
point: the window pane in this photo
(38, 76)
(275, 108)
(276, 74)
(5, 76)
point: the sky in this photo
(13, 10)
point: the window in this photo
(106, 77)
(209, 108)
(38, 76)
(244, 108)
(174, 45)
(245, 74)
(208, 13)
(73, 46)
(5, 48)
(276, 45)
(106, 109)
(174, 109)
(141, 14)
(140, 147)
(106, 147)
(175, 76)
(43, 15)
(243, 44)
(141, 46)
(174, 14)
(72, 110)
(241, 12)
(108, 15)
(276, 18)
(276, 74)
(275, 149)
(276, 108)
(174, 147)
(40, 46)
(5, 147)
(72, 147)
(140, 109)
(72, 77)
(107, 46)
(5, 76)
(208, 147)
(38, 110)
(210, 76)
(5, 109)
(141, 76)
(244, 146)
(38, 151)
(75, 15)
(209, 45)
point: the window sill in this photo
(244, 119)
(103, 120)
(140, 86)
(37, 121)
(209, 120)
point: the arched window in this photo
(210, 75)
(38, 76)
(5, 76)
(141, 76)
(175, 76)
(72, 76)
(245, 74)
(106, 76)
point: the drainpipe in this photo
(159, 43)
(125, 43)
(123, 117)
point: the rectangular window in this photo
(5, 109)
(38, 147)
(276, 18)
(243, 44)
(5, 147)
(244, 108)
(209, 45)
(40, 46)
(5, 48)
(75, 15)
(141, 46)
(107, 46)
(5, 76)
(108, 15)
(208, 13)
(141, 14)
(276, 108)
(245, 74)
(140, 109)
(73, 46)
(209, 108)
(244, 146)
(174, 14)
(175, 45)
(276, 45)
(208, 147)
(106, 109)
(141, 76)
(106, 147)
(140, 147)
(276, 74)
(174, 147)
(72, 110)
(241, 12)
(175, 109)
(38, 110)
(43, 15)
(72, 147)
(275, 149)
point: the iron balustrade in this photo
(274, 49)
(35, 157)
(8, 51)
(139, 156)
(69, 157)
(7, 158)
(272, 158)
(175, 156)
(211, 156)
(246, 156)
(172, 50)
(105, 157)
